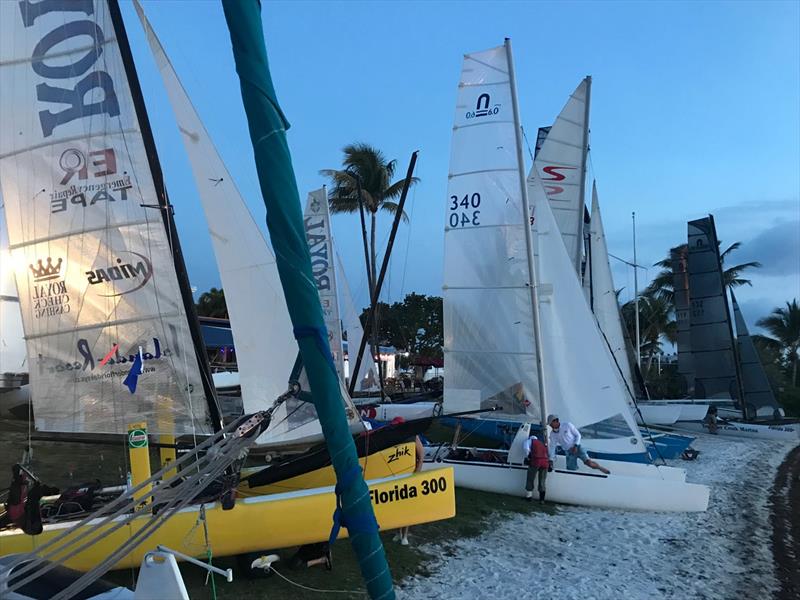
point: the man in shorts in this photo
(567, 436)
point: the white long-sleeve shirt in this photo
(567, 436)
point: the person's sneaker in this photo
(541, 497)
(404, 541)
(397, 537)
(528, 496)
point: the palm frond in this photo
(391, 207)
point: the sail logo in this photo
(48, 293)
(483, 108)
(553, 189)
(80, 169)
(46, 272)
(138, 273)
(68, 51)
(88, 362)
(317, 238)
(73, 162)
(398, 454)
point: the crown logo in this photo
(46, 272)
(314, 205)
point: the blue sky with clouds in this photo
(695, 109)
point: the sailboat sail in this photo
(711, 339)
(561, 167)
(594, 399)
(317, 220)
(367, 376)
(13, 359)
(680, 286)
(603, 296)
(756, 387)
(89, 249)
(262, 330)
(488, 322)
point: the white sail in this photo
(583, 385)
(488, 322)
(367, 376)
(260, 323)
(561, 166)
(317, 220)
(603, 297)
(266, 350)
(93, 266)
(13, 358)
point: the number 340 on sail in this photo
(464, 211)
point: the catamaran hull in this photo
(689, 411)
(666, 445)
(787, 433)
(256, 524)
(407, 412)
(655, 414)
(584, 488)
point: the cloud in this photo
(776, 248)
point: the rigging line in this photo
(311, 589)
(527, 143)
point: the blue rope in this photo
(363, 522)
(320, 335)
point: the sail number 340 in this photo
(465, 211)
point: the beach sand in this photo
(592, 554)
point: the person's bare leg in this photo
(593, 465)
(404, 535)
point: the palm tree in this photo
(661, 286)
(655, 323)
(784, 325)
(212, 304)
(365, 167)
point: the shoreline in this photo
(785, 501)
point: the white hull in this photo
(690, 411)
(387, 412)
(584, 487)
(788, 433)
(659, 414)
(693, 412)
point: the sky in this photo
(695, 110)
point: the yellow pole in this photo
(167, 455)
(139, 454)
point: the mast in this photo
(166, 212)
(267, 126)
(584, 157)
(526, 214)
(636, 295)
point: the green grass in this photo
(475, 513)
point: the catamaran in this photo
(497, 357)
(723, 369)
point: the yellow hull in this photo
(260, 523)
(397, 460)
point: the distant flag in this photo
(133, 375)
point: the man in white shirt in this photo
(568, 437)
